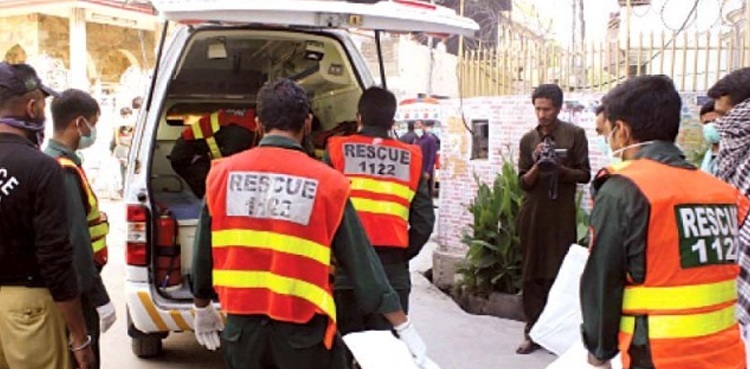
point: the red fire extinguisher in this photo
(168, 251)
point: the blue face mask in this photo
(87, 141)
(606, 150)
(711, 133)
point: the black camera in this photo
(547, 160)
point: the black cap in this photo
(20, 79)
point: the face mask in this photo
(606, 150)
(86, 141)
(711, 134)
(618, 153)
(419, 131)
(34, 128)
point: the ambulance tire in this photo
(144, 345)
(148, 345)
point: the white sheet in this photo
(381, 350)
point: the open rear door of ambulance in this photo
(384, 15)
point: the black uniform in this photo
(191, 159)
(35, 250)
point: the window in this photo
(480, 141)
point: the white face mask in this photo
(87, 141)
(419, 131)
(618, 153)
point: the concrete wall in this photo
(510, 117)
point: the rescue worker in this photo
(38, 289)
(659, 285)
(276, 218)
(390, 194)
(75, 115)
(211, 137)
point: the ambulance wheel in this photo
(144, 345)
(148, 345)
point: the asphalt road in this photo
(180, 349)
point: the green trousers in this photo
(258, 342)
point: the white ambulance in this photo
(219, 54)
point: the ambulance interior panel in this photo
(233, 64)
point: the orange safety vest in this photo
(205, 127)
(385, 175)
(689, 294)
(274, 213)
(98, 225)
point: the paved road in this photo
(180, 350)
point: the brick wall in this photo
(510, 117)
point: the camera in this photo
(547, 160)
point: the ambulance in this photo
(217, 56)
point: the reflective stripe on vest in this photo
(384, 175)
(684, 326)
(640, 299)
(271, 244)
(208, 136)
(98, 227)
(689, 293)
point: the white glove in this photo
(207, 325)
(107, 316)
(408, 335)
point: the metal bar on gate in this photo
(707, 60)
(695, 61)
(617, 62)
(661, 54)
(674, 55)
(684, 60)
(650, 52)
(609, 65)
(600, 69)
(718, 59)
(639, 66)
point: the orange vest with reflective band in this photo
(689, 294)
(207, 126)
(274, 213)
(98, 225)
(384, 175)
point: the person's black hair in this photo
(377, 106)
(137, 102)
(409, 126)
(650, 105)
(708, 107)
(548, 91)
(126, 110)
(599, 109)
(70, 105)
(736, 85)
(282, 105)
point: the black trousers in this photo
(535, 293)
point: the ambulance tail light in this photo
(136, 253)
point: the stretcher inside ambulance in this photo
(218, 56)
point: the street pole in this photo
(461, 37)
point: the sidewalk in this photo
(458, 340)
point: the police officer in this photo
(276, 218)
(37, 277)
(75, 115)
(659, 286)
(392, 199)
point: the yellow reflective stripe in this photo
(382, 187)
(152, 313)
(684, 326)
(99, 244)
(179, 320)
(639, 298)
(381, 207)
(215, 122)
(197, 131)
(278, 284)
(213, 147)
(272, 241)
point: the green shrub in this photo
(493, 261)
